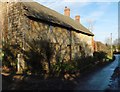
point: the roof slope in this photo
(101, 46)
(41, 12)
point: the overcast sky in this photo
(102, 14)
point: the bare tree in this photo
(90, 24)
(108, 41)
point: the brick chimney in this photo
(67, 11)
(77, 18)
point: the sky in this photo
(101, 14)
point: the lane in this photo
(0, 82)
(0, 69)
(98, 80)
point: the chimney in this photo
(67, 11)
(77, 18)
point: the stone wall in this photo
(58, 37)
(2, 18)
(87, 40)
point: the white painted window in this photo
(50, 29)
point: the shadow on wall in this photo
(9, 59)
(41, 53)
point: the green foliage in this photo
(100, 55)
(61, 68)
(10, 56)
(84, 62)
(119, 47)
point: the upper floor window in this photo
(50, 28)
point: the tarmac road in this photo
(98, 80)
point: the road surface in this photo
(0, 74)
(98, 80)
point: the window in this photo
(50, 29)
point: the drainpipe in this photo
(18, 63)
(70, 45)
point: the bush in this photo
(83, 63)
(10, 56)
(99, 56)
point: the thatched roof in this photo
(40, 12)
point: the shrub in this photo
(10, 56)
(99, 56)
(83, 63)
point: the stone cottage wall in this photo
(21, 30)
(88, 42)
(13, 21)
(13, 29)
(3, 17)
(58, 37)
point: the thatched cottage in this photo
(29, 22)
